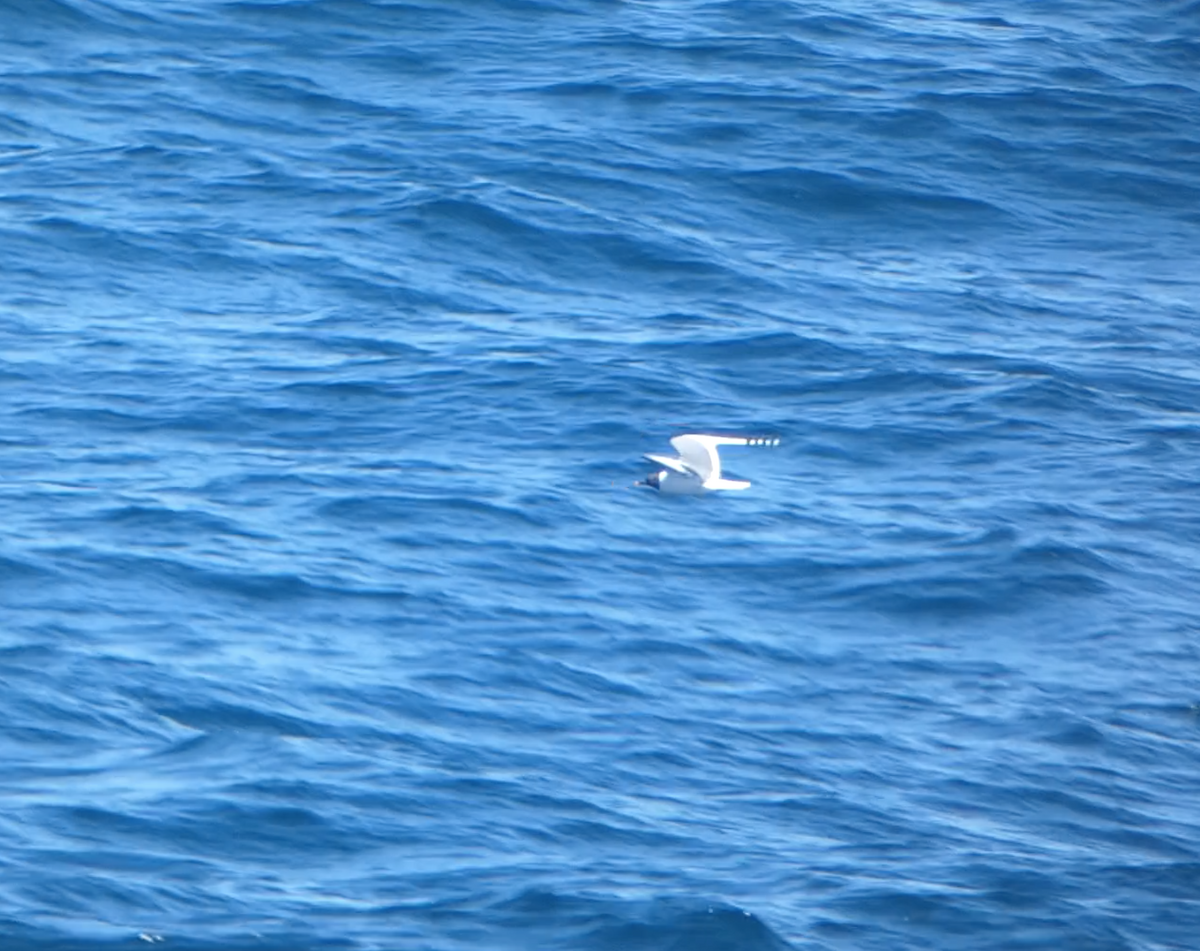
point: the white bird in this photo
(697, 469)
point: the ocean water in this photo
(331, 335)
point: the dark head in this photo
(654, 480)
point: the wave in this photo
(602, 925)
(813, 194)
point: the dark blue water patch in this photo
(222, 717)
(894, 382)
(577, 253)
(934, 914)
(164, 577)
(1011, 581)
(789, 349)
(819, 195)
(1167, 880)
(1061, 394)
(907, 122)
(554, 920)
(432, 513)
(285, 96)
(1180, 52)
(95, 241)
(591, 923)
(33, 20)
(21, 571)
(164, 526)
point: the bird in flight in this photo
(697, 468)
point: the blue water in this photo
(331, 335)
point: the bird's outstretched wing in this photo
(670, 462)
(699, 452)
(726, 485)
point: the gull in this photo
(697, 469)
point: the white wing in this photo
(670, 462)
(699, 452)
(726, 484)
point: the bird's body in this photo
(697, 468)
